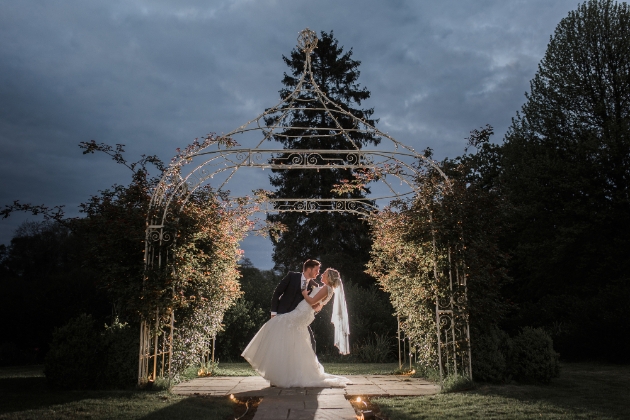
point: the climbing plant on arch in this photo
(197, 178)
(418, 257)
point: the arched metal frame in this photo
(214, 161)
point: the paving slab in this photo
(368, 385)
(307, 403)
(300, 406)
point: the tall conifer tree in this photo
(338, 240)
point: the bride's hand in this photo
(304, 292)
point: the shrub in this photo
(532, 357)
(71, 362)
(241, 322)
(377, 350)
(455, 383)
(81, 358)
(490, 350)
(429, 373)
(119, 356)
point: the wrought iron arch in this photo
(218, 160)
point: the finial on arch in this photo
(307, 41)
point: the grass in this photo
(244, 369)
(24, 395)
(223, 369)
(583, 391)
(360, 368)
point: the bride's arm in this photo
(318, 296)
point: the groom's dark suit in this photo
(288, 295)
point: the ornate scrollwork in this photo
(319, 205)
(353, 159)
(296, 159)
(444, 302)
(313, 158)
(461, 299)
(167, 237)
(242, 155)
(307, 41)
(154, 236)
(445, 322)
(159, 235)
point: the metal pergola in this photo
(213, 163)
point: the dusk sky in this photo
(155, 74)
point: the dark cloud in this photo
(156, 74)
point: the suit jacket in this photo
(288, 293)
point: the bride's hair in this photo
(333, 277)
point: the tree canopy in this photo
(565, 166)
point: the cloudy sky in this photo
(155, 74)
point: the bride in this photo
(281, 351)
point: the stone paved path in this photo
(307, 403)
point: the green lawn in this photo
(582, 391)
(24, 395)
(244, 369)
(360, 368)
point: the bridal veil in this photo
(340, 321)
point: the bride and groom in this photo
(283, 350)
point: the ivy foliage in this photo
(201, 276)
(450, 230)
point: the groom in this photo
(288, 293)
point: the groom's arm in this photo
(280, 289)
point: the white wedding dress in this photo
(281, 351)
